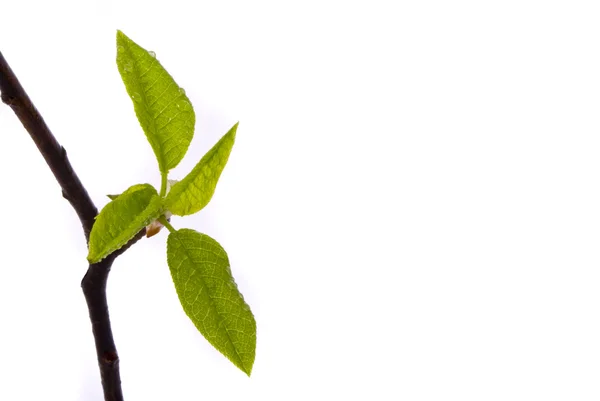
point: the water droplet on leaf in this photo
(120, 49)
(182, 104)
(182, 91)
(152, 54)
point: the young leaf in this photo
(162, 108)
(195, 190)
(209, 296)
(121, 219)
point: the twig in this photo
(94, 289)
(94, 281)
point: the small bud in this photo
(153, 228)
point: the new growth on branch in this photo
(198, 264)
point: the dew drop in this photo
(120, 49)
(182, 91)
(152, 54)
(128, 66)
(182, 104)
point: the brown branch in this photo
(94, 281)
(94, 289)
(55, 155)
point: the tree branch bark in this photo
(94, 281)
(55, 155)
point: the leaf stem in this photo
(163, 184)
(166, 223)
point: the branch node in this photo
(111, 358)
(9, 100)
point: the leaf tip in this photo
(248, 370)
(122, 40)
(93, 255)
(92, 258)
(233, 131)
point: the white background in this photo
(411, 209)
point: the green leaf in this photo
(162, 108)
(193, 192)
(121, 219)
(209, 296)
